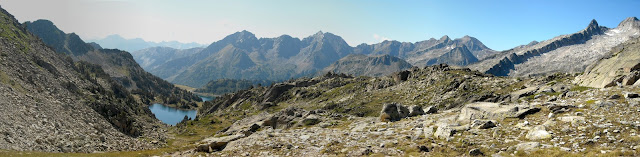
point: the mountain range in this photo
(243, 56)
(118, 42)
(566, 53)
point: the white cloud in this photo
(377, 39)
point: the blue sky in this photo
(499, 24)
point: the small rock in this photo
(615, 96)
(423, 148)
(367, 152)
(629, 95)
(475, 152)
(553, 98)
(305, 137)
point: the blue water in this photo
(170, 115)
(204, 98)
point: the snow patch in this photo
(450, 47)
(615, 31)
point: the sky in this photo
(499, 24)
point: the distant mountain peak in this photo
(593, 23)
(594, 27)
(445, 38)
(630, 21)
(244, 34)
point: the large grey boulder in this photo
(217, 143)
(415, 110)
(538, 133)
(444, 132)
(494, 111)
(393, 112)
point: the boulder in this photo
(546, 90)
(247, 125)
(428, 132)
(523, 93)
(538, 133)
(393, 112)
(615, 96)
(311, 120)
(423, 148)
(527, 146)
(415, 110)
(572, 119)
(475, 152)
(604, 104)
(444, 132)
(494, 111)
(629, 95)
(483, 124)
(431, 110)
(401, 76)
(217, 143)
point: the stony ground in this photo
(583, 121)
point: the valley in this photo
(246, 94)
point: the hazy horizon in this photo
(498, 24)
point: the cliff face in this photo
(48, 102)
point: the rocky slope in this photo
(120, 65)
(618, 68)
(437, 110)
(566, 53)
(362, 65)
(50, 103)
